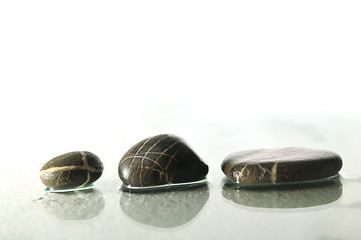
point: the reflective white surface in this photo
(330, 211)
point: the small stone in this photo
(71, 170)
(160, 160)
(280, 165)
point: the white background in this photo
(225, 75)
(74, 74)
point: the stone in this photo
(71, 170)
(159, 160)
(283, 165)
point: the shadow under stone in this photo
(77, 205)
(165, 209)
(286, 196)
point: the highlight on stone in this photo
(286, 165)
(161, 160)
(71, 171)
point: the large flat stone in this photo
(281, 165)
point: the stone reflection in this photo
(292, 196)
(77, 205)
(166, 209)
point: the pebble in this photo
(159, 160)
(281, 165)
(71, 170)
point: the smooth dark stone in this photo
(77, 205)
(280, 165)
(165, 209)
(287, 196)
(160, 160)
(71, 170)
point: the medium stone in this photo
(71, 170)
(280, 165)
(160, 160)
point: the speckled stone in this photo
(71, 170)
(160, 160)
(280, 165)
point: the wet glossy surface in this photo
(216, 210)
(285, 196)
(77, 205)
(165, 187)
(155, 209)
(69, 189)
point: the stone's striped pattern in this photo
(159, 160)
(281, 165)
(71, 170)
